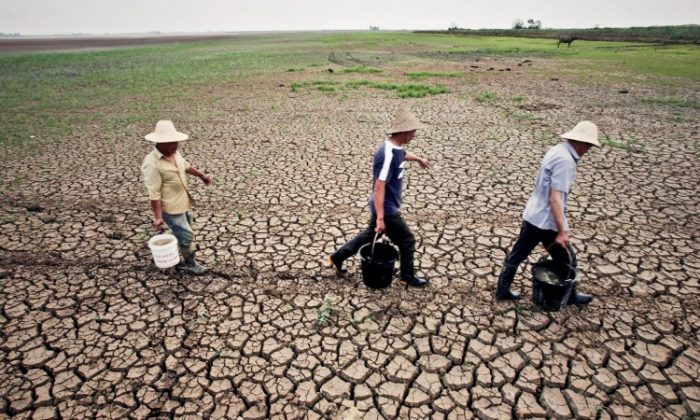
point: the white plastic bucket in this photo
(164, 250)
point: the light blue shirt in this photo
(558, 171)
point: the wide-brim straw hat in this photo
(585, 132)
(403, 121)
(166, 133)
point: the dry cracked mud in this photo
(89, 328)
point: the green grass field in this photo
(44, 96)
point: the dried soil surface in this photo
(90, 328)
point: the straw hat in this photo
(166, 133)
(585, 132)
(404, 120)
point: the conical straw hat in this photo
(585, 132)
(166, 133)
(404, 120)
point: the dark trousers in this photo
(397, 231)
(531, 236)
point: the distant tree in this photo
(453, 27)
(534, 24)
(374, 28)
(518, 24)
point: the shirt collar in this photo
(392, 145)
(571, 150)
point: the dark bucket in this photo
(552, 283)
(378, 267)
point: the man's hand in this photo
(158, 224)
(562, 239)
(380, 226)
(205, 179)
(423, 163)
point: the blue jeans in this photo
(181, 225)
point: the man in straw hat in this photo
(385, 199)
(164, 172)
(544, 218)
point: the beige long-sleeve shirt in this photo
(166, 182)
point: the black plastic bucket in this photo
(378, 261)
(552, 283)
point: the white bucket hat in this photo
(166, 133)
(404, 120)
(585, 132)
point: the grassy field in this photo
(44, 96)
(658, 34)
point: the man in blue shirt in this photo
(544, 218)
(385, 199)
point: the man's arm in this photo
(379, 192)
(415, 158)
(556, 203)
(158, 223)
(194, 171)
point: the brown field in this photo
(33, 44)
(89, 328)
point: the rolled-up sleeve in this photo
(152, 180)
(186, 164)
(563, 173)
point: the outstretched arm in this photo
(194, 171)
(415, 158)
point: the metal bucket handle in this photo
(376, 235)
(568, 253)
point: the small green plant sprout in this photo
(485, 97)
(520, 309)
(630, 145)
(361, 70)
(325, 312)
(426, 74)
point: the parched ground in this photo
(90, 328)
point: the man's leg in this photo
(352, 246)
(567, 256)
(398, 232)
(527, 240)
(181, 226)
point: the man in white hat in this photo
(164, 172)
(544, 218)
(385, 199)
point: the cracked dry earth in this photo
(89, 328)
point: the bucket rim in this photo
(160, 236)
(394, 251)
(571, 275)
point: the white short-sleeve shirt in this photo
(558, 171)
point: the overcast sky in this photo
(42, 17)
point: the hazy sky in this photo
(37, 17)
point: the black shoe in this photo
(507, 295)
(414, 281)
(580, 298)
(340, 268)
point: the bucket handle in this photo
(376, 235)
(568, 253)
